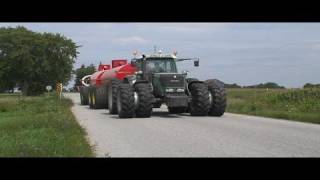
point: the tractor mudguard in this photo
(194, 82)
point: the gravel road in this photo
(166, 135)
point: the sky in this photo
(242, 53)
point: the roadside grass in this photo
(292, 104)
(40, 126)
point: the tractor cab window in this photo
(161, 66)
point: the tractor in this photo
(156, 81)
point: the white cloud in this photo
(130, 40)
(191, 27)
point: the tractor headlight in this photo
(180, 90)
(169, 90)
(138, 72)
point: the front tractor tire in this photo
(200, 102)
(125, 101)
(144, 101)
(112, 96)
(218, 97)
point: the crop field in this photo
(40, 126)
(293, 104)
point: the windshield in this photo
(161, 65)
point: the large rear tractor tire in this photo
(218, 97)
(125, 101)
(145, 100)
(200, 103)
(112, 96)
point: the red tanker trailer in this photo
(99, 89)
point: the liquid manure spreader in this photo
(134, 89)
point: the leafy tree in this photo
(83, 71)
(309, 85)
(33, 60)
(270, 85)
(234, 85)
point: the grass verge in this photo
(292, 104)
(41, 126)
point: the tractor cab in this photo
(161, 71)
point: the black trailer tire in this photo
(218, 97)
(200, 103)
(100, 97)
(177, 110)
(89, 98)
(125, 101)
(145, 100)
(112, 96)
(93, 98)
(84, 95)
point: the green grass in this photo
(41, 126)
(292, 104)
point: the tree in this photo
(270, 85)
(33, 60)
(309, 85)
(83, 71)
(234, 85)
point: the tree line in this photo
(33, 60)
(270, 85)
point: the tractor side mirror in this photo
(196, 63)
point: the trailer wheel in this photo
(112, 96)
(144, 100)
(84, 95)
(89, 98)
(200, 103)
(92, 98)
(218, 98)
(125, 101)
(177, 110)
(98, 98)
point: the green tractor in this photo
(158, 82)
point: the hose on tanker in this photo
(84, 82)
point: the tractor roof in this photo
(161, 56)
(156, 55)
